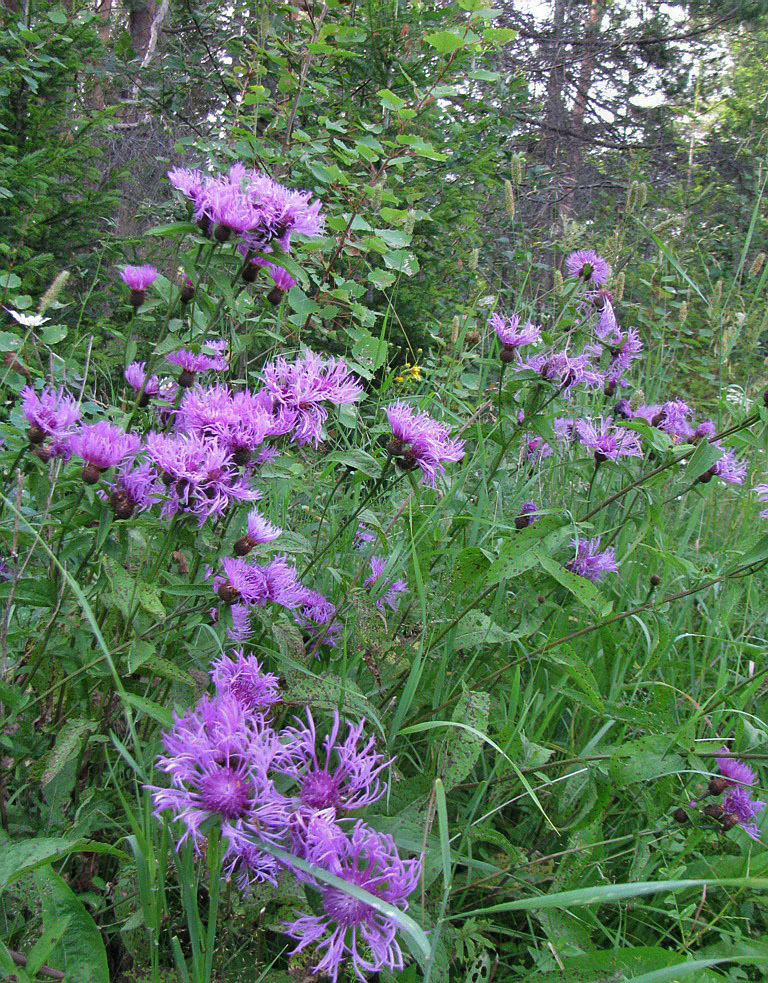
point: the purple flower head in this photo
(316, 837)
(209, 358)
(136, 488)
(588, 266)
(242, 678)
(623, 410)
(230, 210)
(241, 629)
(761, 492)
(189, 181)
(511, 335)
(283, 585)
(200, 474)
(363, 536)
(317, 619)
(738, 800)
(51, 414)
(285, 212)
(102, 446)
(528, 514)
(590, 562)
(370, 861)
(138, 278)
(282, 279)
(235, 420)
(672, 418)
(705, 431)
(136, 377)
(218, 759)
(419, 441)
(303, 386)
(730, 468)
(537, 450)
(565, 371)
(242, 581)
(341, 775)
(261, 530)
(389, 590)
(607, 441)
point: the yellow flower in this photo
(399, 379)
(415, 372)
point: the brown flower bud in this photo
(713, 810)
(717, 785)
(137, 298)
(91, 474)
(35, 434)
(274, 296)
(680, 815)
(221, 233)
(228, 593)
(186, 379)
(187, 293)
(242, 547)
(728, 821)
(654, 580)
(507, 355)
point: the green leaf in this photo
(581, 588)
(644, 760)
(499, 35)
(16, 858)
(462, 747)
(381, 279)
(9, 281)
(518, 552)
(469, 569)
(41, 950)
(402, 261)
(390, 100)
(81, 953)
(161, 714)
(173, 229)
(702, 459)
(579, 672)
(53, 333)
(445, 41)
(68, 743)
(476, 628)
(421, 147)
(357, 461)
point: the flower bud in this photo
(122, 504)
(680, 815)
(394, 447)
(654, 580)
(243, 546)
(136, 298)
(507, 355)
(91, 474)
(706, 477)
(713, 810)
(35, 435)
(228, 593)
(407, 461)
(186, 379)
(187, 292)
(43, 453)
(728, 820)
(275, 295)
(221, 233)
(717, 785)
(757, 264)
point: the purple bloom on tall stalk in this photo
(389, 590)
(102, 446)
(282, 281)
(342, 775)
(188, 180)
(362, 536)
(136, 488)
(137, 379)
(537, 450)
(242, 677)
(260, 531)
(137, 279)
(275, 582)
(419, 441)
(761, 493)
(303, 386)
(236, 420)
(345, 925)
(209, 359)
(512, 336)
(565, 371)
(730, 469)
(607, 441)
(240, 630)
(51, 414)
(218, 759)
(590, 562)
(705, 431)
(317, 619)
(588, 266)
(738, 801)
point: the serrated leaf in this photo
(381, 279)
(68, 743)
(330, 693)
(702, 459)
(579, 672)
(445, 42)
(159, 713)
(643, 760)
(462, 748)
(390, 100)
(16, 858)
(402, 261)
(158, 666)
(138, 654)
(81, 953)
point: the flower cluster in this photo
(296, 789)
(249, 205)
(735, 784)
(418, 441)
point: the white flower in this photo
(28, 320)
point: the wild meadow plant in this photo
(282, 632)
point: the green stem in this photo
(213, 854)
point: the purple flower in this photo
(243, 679)
(317, 619)
(730, 468)
(761, 492)
(285, 212)
(136, 488)
(200, 474)
(236, 420)
(537, 450)
(51, 414)
(389, 590)
(738, 800)
(282, 279)
(528, 514)
(565, 371)
(138, 278)
(137, 379)
(241, 629)
(242, 581)
(301, 387)
(363, 537)
(511, 336)
(588, 266)
(260, 531)
(189, 181)
(211, 359)
(370, 861)
(590, 562)
(419, 441)
(218, 759)
(102, 446)
(342, 776)
(705, 431)
(607, 441)
(625, 347)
